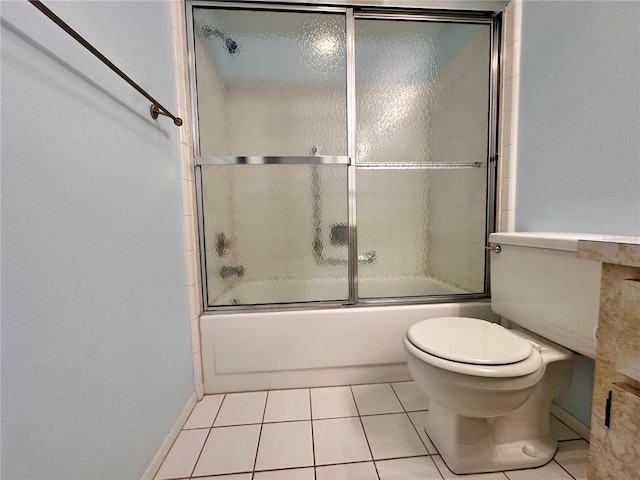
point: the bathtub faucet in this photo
(226, 272)
(368, 257)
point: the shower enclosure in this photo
(343, 156)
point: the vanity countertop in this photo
(614, 249)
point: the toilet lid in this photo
(468, 340)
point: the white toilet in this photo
(491, 388)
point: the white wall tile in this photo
(197, 368)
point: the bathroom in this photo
(101, 283)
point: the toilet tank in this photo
(539, 283)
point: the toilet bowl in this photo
(491, 388)
(490, 391)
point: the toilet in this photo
(490, 387)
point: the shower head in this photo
(232, 47)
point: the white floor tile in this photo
(550, 471)
(415, 468)
(285, 405)
(293, 474)
(241, 409)
(418, 419)
(235, 476)
(573, 456)
(339, 440)
(204, 413)
(347, 471)
(183, 455)
(449, 475)
(332, 402)
(285, 445)
(561, 431)
(392, 436)
(229, 450)
(375, 399)
(411, 396)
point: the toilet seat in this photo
(473, 347)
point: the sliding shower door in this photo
(271, 97)
(422, 91)
(342, 155)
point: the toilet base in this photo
(479, 445)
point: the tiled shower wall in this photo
(509, 116)
(457, 198)
(507, 147)
(186, 152)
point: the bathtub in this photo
(312, 348)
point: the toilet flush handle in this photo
(495, 248)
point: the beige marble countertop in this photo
(618, 250)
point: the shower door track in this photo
(411, 10)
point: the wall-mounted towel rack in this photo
(156, 107)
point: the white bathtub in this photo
(310, 348)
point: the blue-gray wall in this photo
(96, 362)
(578, 141)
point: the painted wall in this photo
(578, 143)
(96, 361)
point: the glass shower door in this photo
(423, 123)
(271, 96)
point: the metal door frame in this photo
(380, 9)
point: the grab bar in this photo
(156, 107)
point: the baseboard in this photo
(157, 459)
(571, 421)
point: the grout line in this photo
(414, 426)
(264, 412)
(561, 466)
(311, 420)
(313, 442)
(208, 434)
(219, 410)
(201, 450)
(364, 431)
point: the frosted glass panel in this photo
(270, 83)
(422, 103)
(268, 233)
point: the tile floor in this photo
(364, 432)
